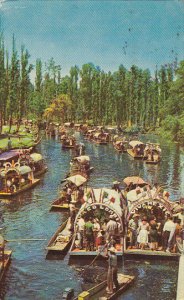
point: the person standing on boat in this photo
(96, 231)
(72, 209)
(168, 233)
(133, 227)
(88, 232)
(81, 225)
(142, 238)
(112, 270)
(112, 228)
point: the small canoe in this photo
(22, 189)
(61, 240)
(59, 204)
(4, 267)
(98, 292)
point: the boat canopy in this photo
(96, 135)
(147, 198)
(78, 180)
(36, 157)
(24, 170)
(8, 155)
(134, 180)
(103, 197)
(134, 144)
(83, 158)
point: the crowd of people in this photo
(92, 233)
(154, 233)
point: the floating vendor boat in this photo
(69, 142)
(98, 292)
(61, 240)
(75, 182)
(136, 149)
(15, 179)
(152, 153)
(101, 138)
(80, 165)
(100, 205)
(90, 134)
(4, 263)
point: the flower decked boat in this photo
(100, 204)
(15, 179)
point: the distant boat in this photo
(136, 149)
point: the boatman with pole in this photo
(112, 275)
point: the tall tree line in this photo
(126, 97)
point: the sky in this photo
(106, 33)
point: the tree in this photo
(14, 86)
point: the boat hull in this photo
(24, 188)
(7, 259)
(56, 246)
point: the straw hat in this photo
(116, 182)
(112, 249)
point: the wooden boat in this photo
(98, 292)
(101, 138)
(38, 164)
(120, 146)
(68, 143)
(153, 152)
(136, 149)
(99, 202)
(147, 201)
(59, 204)
(61, 240)
(14, 179)
(75, 182)
(80, 165)
(4, 266)
(35, 161)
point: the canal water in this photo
(31, 275)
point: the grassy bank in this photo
(21, 140)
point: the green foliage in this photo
(128, 98)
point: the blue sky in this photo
(107, 33)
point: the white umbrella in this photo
(77, 179)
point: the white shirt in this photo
(169, 226)
(81, 224)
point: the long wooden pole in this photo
(25, 240)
